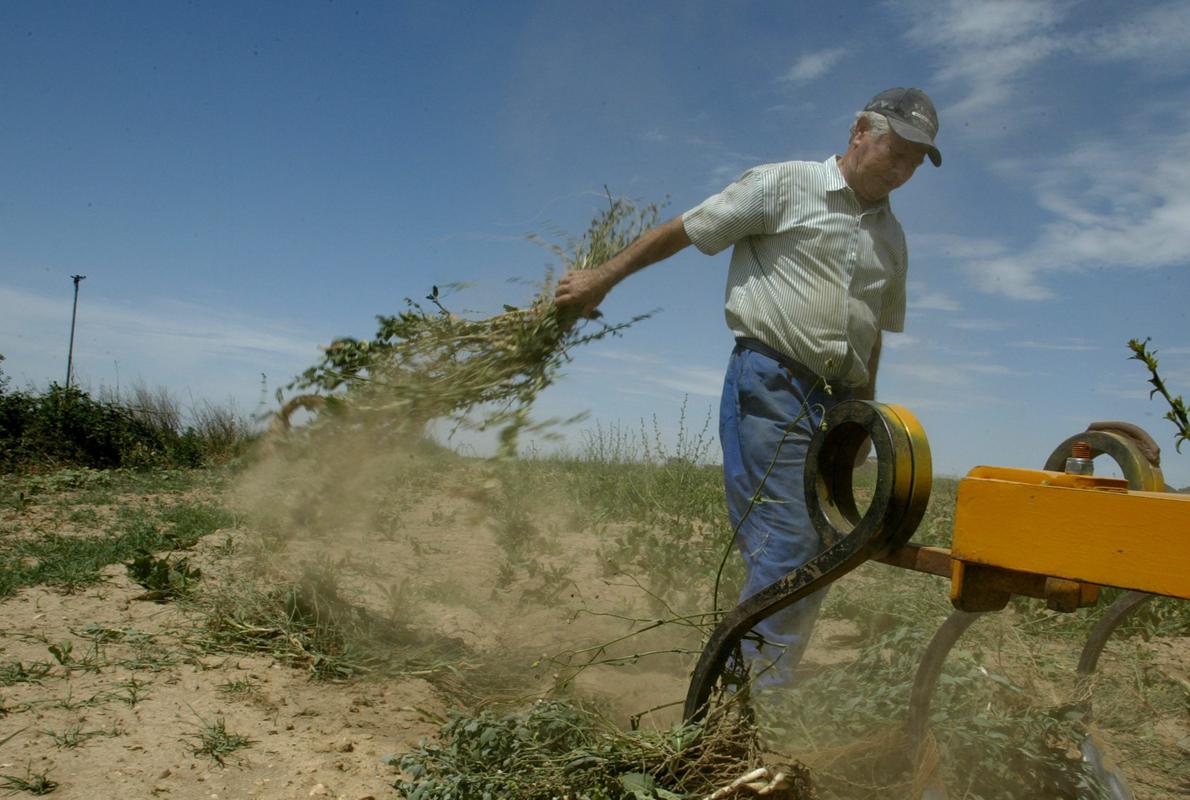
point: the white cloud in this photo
(990, 325)
(933, 301)
(1107, 207)
(698, 381)
(953, 373)
(1105, 211)
(995, 369)
(1010, 277)
(613, 354)
(644, 373)
(811, 66)
(186, 347)
(955, 246)
(1159, 35)
(989, 51)
(937, 374)
(1124, 392)
(984, 48)
(1070, 345)
(899, 341)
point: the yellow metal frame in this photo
(1074, 527)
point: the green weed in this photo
(37, 783)
(213, 740)
(13, 672)
(133, 691)
(244, 686)
(165, 578)
(74, 736)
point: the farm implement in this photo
(1057, 534)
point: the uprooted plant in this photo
(556, 749)
(428, 363)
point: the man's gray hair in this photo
(877, 123)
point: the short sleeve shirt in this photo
(813, 273)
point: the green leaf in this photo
(644, 787)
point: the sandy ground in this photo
(139, 717)
(122, 718)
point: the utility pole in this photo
(73, 313)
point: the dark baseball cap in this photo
(911, 114)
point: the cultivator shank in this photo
(1054, 534)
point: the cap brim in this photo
(912, 134)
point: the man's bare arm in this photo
(586, 288)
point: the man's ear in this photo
(862, 126)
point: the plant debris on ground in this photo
(556, 749)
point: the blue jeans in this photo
(761, 399)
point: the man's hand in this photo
(583, 289)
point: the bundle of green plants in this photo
(556, 749)
(428, 363)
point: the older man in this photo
(817, 273)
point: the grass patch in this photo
(238, 688)
(31, 782)
(72, 562)
(79, 488)
(213, 740)
(74, 736)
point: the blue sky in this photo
(242, 182)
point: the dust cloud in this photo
(487, 559)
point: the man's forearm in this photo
(650, 247)
(586, 288)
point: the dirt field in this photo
(442, 587)
(143, 704)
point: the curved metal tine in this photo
(924, 683)
(930, 669)
(901, 492)
(1116, 614)
(1141, 476)
(1108, 780)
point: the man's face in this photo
(874, 166)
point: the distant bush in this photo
(62, 427)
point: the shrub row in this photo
(62, 427)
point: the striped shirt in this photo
(813, 274)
